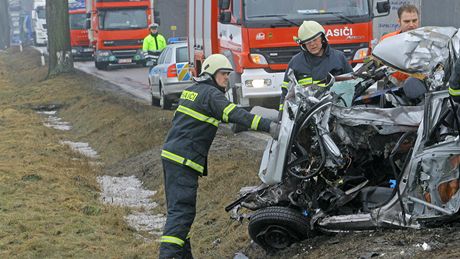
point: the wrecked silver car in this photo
(346, 161)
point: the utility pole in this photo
(60, 52)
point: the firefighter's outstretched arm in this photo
(227, 111)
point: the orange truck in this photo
(116, 30)
(257, 37)
(79, 41)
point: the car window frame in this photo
(162, 56)
(186, 52)
(168, 56)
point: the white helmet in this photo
(153, 26)
(215, 63)
(308, 31)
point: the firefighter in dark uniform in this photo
(316, 60)
(454, 83)
(201, 108)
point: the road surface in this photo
(133, 80)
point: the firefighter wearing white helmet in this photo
(201, 108)
(316, 61)
(215, 63)
(154, 42)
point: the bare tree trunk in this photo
(4, 25)
(57, 20)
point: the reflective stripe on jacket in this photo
(154, 43)
(201, 108)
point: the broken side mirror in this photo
(383, 8)
(225, 17)
(224, 4)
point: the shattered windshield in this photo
(77, 21)
(123, 19)
(300, 9)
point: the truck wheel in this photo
(275, 228)
(101, 65)
(165, 104)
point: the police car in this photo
(170, 76)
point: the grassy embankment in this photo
(49, 203)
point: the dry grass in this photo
(49, 202)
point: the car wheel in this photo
(275, 228)
(101, 65)
(154, 101)
(165, 104)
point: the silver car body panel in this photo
(419, 50)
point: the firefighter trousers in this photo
(181, 184)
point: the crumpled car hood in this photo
(419, 50)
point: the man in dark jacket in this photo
(316, 60)
(184, 156)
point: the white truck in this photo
(39, 22)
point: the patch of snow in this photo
(55, 122)
(81, 147)
(128, 192)
(125, 191)
(424, 246)
(142, 221)
(48, 112)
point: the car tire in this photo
(165, 104)
(155, 101)
(101, 65)
(276, 228)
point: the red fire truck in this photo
(257, 37)
(117, 29)
(81, 48)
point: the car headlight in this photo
(103, 53)
(74, 51)
(361, 54)
(258, 59)
(258, 83)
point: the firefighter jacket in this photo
(454, 82)
(313, 70)
(201, 108)
(154, 43)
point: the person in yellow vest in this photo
(154, 42)
(408, 19)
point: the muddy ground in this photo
(128, 135)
